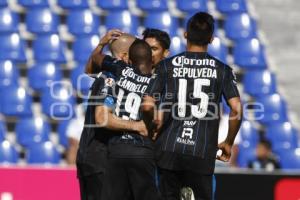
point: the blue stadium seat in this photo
(246, 154)
(62, 131)
(83, 47)
(290, 159)
(8, 153)
(240, 26)
(34, 3)
(176, 46)
(81, 81)
(163, 21)
(41, 21)
(2, 130)
(152, 5)
(282, 135)
(15, 101)
(58, 101)
(259, 82)
(249, 133)
(43, 153)
(122, 20)
(12, 48)
(3, 3)
(249, 54)
(192, 5)
(218, 49)
(73, 4)
(49, 48)
(41, 74)
(231, 6)
(9, 21)
(30, 131)
(113, 4)
(9, 74)
(83, 22)
(274, 109)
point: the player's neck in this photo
(145, 69)
(196, 48)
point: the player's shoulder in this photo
(109, 60)
(219, 64)
(168, 62)
(171, 58)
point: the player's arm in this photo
(152, 116)
(105, 118)
(94, 63)
(232, 97)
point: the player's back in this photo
(130, 89)
(192, 84)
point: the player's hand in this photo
(226, 152)
(110, 35)
(155, 134)
(141, 128)
(156, 128)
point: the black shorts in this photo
(91, 186)
(130, 178)
(171, 183)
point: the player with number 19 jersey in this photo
(130, 88)
(190, 86)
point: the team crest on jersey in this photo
(109, 82)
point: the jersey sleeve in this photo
(103, 90)
(113, 65)
(157, 84)
(230, 89)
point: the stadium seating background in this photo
(45, 44)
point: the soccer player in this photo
(92, 153)
(131, 165)
(159, 42)
(192, 84)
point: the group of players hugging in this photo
(151, 124)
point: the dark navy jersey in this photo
(92, 152)
(130, 88)
(189, 87)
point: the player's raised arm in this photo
(105, 118)
(94, 63)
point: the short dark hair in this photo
(266, 143)
(140, 53)
(161, 36)
(200, 28)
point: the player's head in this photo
(140, 54)
(200, 29)
(263, 149)
(159, 42)
(120, 47)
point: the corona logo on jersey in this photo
(182, 60)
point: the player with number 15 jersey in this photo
(192, 85)
(189, 89)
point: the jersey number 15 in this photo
(200, 110)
